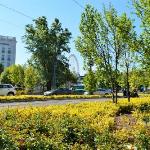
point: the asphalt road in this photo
(50, 102)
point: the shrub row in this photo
(41, 97)
(85, 126)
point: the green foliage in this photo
(90, 82)
(6, 142)
(47, 46)
(13, 74)
(85, 126)
(17, 74)
(31, 78)
(1, 68)
(5, 76)
(142, 8)
(86, 43)
(105, 38)
(143, 141)
(144, 107)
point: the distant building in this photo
(7, 50)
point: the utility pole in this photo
(54, 76)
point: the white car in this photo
(102, 92)
(7, 89)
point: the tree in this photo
(66, 76)
(139, 77)
(14, 75)
(5, 76)
(61, 76)
(17, 75)
(47, 46)
(119, 32)
(129, 46)
(104, 39)
(1, 68)
(86, 42)
(142, 8)
(31, 78)
(90, 82)
(115, 39)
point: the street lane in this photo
(50, 102)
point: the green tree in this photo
(47, 46)
(1, 68)
(115, 39)
(62, 77)
(90, 82)
(86, 42)
(142, 8)
(14, 75)
(119, 29)
(17, 75)
(31, 78)
(104, 39)
(139, 77)
(5, 76)
(129, 45)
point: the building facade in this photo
(7, 50)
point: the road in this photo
(50, 102)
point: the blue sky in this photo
(67, 11)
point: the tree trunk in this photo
(48, 85)
(116, 85)
(128, 86)
(113, 95)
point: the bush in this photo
(144, 107)
(85, 126)
(125, 109)
(21, 92)
(143, 141)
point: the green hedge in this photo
(41, 98)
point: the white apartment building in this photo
(7, 50)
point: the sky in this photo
(67, 11)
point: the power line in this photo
(76, 2)
(7, 22)
(16, 11)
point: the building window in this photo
(8, 58)
(3, 49)
(9, 50)
(3, 58)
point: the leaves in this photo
(46, 44)
(89, 125)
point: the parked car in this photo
(79, 91)
(60, 91)
(102, 92)
(7, 89)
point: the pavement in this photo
(50, 102)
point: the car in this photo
(7, 90)
(60, 91)
(79, 91)
(102, 92)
